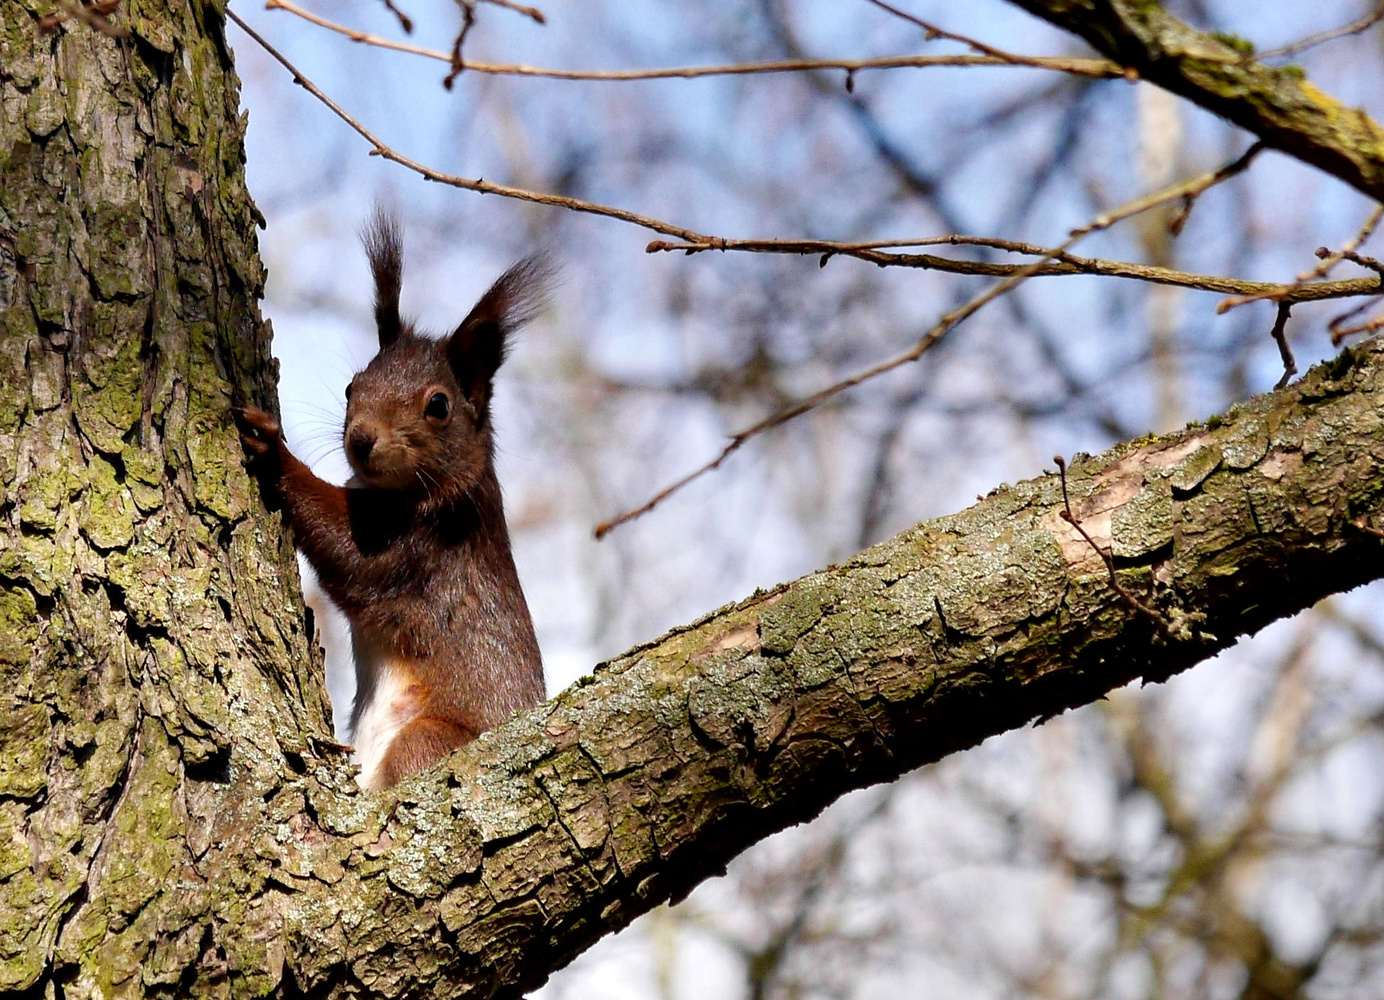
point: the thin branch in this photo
(932, 33)
(532, 13)
(1329, 260)
(1061, 263)
(405, 21)
(1093, 68)
(1340, 333)
(1356, 27)
(1368, 263)
(947, 322)
(1280, 337)
(478, 185)
(468, 21)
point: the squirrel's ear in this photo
(477, 347)
(385, 249)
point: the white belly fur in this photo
(394, 703)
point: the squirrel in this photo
(415, 550)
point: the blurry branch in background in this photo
(1183, 191)
(1077, 66)
(1355, 27)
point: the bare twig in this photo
(1369, 263)
(1094, 68)
(530, 12)
(1280, 337)
(947, 322)
(932, 33)
(1153, 614)
(405, 21)
(1329, 260)
(379, 148)
(1355, 27)
(1367, 528)
(1340, 333)
(468, 21)
(1060, 263)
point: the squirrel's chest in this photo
(394, 699)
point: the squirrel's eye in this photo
(438, 406)
(348, 390)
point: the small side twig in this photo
(1340, 332)
(932, 32)
(1368, 263)
(1153, 614)
(533, 13)
(1280, 337)
(1361, 524)
(1329, 260)
(468, 21)
(1355, 27)
(405, 21)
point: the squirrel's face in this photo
(417, 418)
(410, 425)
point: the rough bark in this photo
(152, 639)
(173, 820)
(1219, 73)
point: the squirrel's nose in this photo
(361, 442)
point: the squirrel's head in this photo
(418, 416)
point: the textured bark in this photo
(173, 818)
(151, 633)
(1219, 73)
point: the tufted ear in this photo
(385, 249)
(477, 347)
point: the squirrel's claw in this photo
(259, 432)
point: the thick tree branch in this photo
(634, 785)
(1276, 104)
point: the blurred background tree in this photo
(1217, 836)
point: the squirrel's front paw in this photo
(259, 432)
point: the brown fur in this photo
(417, 554)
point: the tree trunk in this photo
(154, 667)
(174, 819)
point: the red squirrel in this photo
(415, 550)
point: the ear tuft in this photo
(384, 247)
(477, 347)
